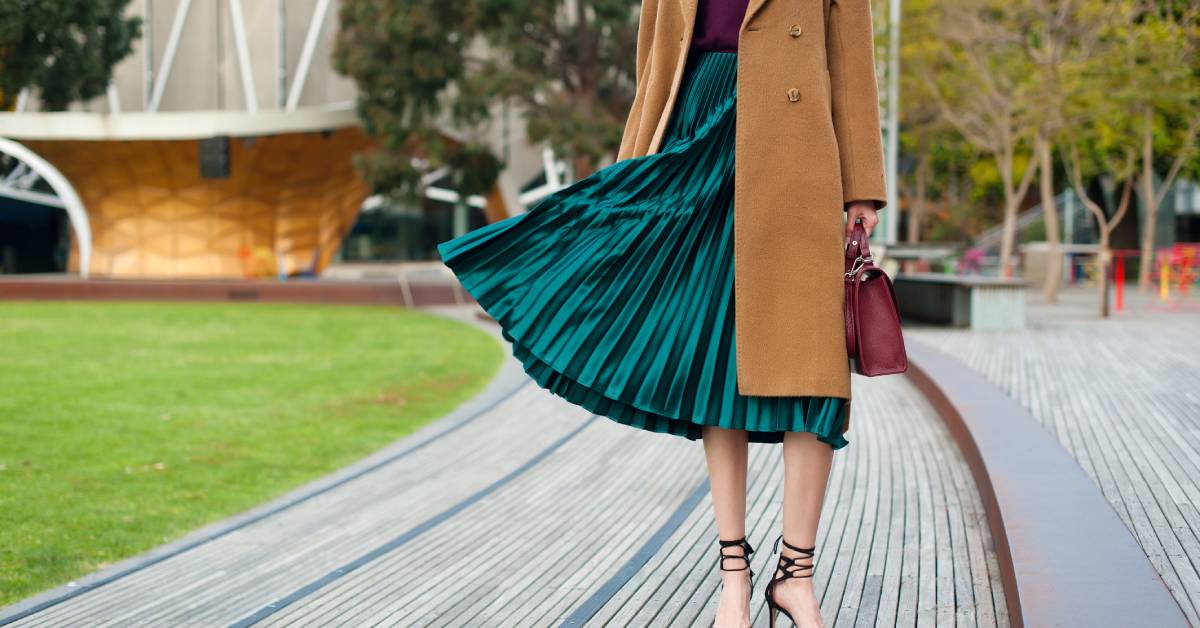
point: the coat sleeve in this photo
(645, 42)
(850, 50)
(645, 35)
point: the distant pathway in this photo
(522, 509)
(1123, 397)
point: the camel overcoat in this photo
(807, 141)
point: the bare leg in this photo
(726, 452)
(806, 463)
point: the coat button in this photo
(795, 30)
(793, 94)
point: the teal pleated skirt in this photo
(616, 292)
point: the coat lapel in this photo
(752, 8)
(687, 9)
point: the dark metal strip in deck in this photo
(593, 604)
(1065, 556)
(419, 529)
(235, 524)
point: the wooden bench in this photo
(961, 300)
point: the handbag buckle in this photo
(858, 264)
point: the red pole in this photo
(1120, 271)
(1185, 274)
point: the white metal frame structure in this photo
(238, 25)
(243, 54)
(160, 81)
(447, 195)
(18, 185)
(555, 179)
(306, 55)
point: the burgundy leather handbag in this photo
(874, 341)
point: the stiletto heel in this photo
(789, 569)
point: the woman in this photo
(620, 292)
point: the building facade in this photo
(222, 148)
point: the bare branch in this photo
(1189, 144)
(1075, 169)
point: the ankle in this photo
(796, 584)
(735, 581)
(735, 557)
(795, 561)
(805, 562)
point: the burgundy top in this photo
(717, 24)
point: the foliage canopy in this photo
(433, 75)
(64, 50)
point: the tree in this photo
(1133, 102)
(1100, 134)
(923, 127)
(424, 67)
(978, 75)
(63, 50)
(939, 186)
(1112, 86)
(1123, 167)
(1060, 35)
(1165, 91)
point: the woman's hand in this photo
(860, 209)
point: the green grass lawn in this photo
(125, 425)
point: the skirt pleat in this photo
(616, 292)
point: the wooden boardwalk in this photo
(529, 511)
(1120, 395)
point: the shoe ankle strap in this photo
(789, 565)
(807, 552)
(747, 550)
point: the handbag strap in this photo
(858, 251)
(859, 243)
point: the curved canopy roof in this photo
(172, 125)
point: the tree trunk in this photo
(1009, 235)
(917, 212)
(1149, 206)
(1104, 223)
(1050, 216)
(1106, 228)
(1014, 193)
(1102, 264)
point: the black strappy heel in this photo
(747, 550)
(790, 569)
